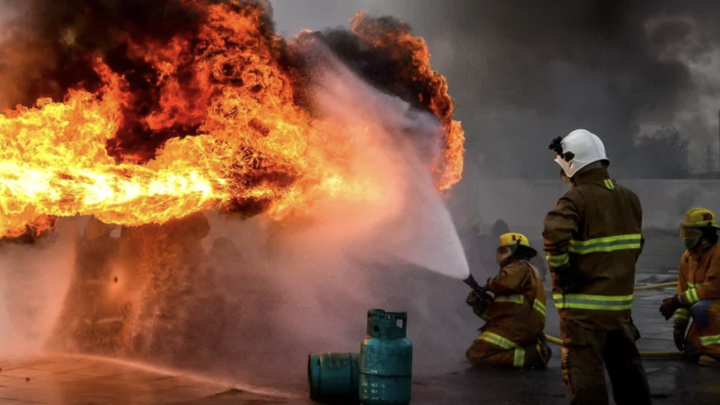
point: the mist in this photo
(325, 272)
(245, 301)
(35, 280)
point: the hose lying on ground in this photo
(656, 286)
(556, 341)
(553, 340)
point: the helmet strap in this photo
(506, 261)
(564, 177)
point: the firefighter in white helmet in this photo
(582, 148)
(593, 239)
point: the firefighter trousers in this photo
(485, 353)
(703, 337)
(587, 353)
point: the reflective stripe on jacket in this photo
(518, 312)
(520, 300)
(593, 239)
(700, 276)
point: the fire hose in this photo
(656, 286)
(559, 342)
(472, 283)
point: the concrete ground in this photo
(672, 381)
(60, 379)
(80, 380)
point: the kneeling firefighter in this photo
(698, 291)
(515, 318)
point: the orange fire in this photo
(253, 147)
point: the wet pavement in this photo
(80, 380)
(672, 381)
(60, 379)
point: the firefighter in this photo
(698, 291)
(513, 333)
(592, 242)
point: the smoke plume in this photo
(532, 71)
(523, 72)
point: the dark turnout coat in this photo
(593, 239)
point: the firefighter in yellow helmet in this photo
(593, 239)
(515, 318)
(698, 291)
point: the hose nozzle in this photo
(472, 283)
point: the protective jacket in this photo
(514, 319)
(593, 239)
(699, 292)
(518, 311)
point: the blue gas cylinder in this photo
(334, 377)
(386, 360)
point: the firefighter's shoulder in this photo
(574, 195)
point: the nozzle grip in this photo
(472, 283)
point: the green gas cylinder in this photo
(386, 360)
(334, 377)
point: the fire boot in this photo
(540, 354)
(706, 360)
(544, 349)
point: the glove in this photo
(679, 337)
(479, 303)
(473, 298)
(669, 306)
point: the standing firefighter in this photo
(592, 242)
(698, 293)
(513, 335)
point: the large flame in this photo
(252, 147)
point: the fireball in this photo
(211, 118)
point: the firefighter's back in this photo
(604, 252)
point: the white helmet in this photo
(577, 150)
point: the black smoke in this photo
(523, 72)
(58, 41)
(384, 65)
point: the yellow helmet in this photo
(699, 218)
(513, 239)
(508, 246)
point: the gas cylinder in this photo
(333, 377)
(386, 360)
